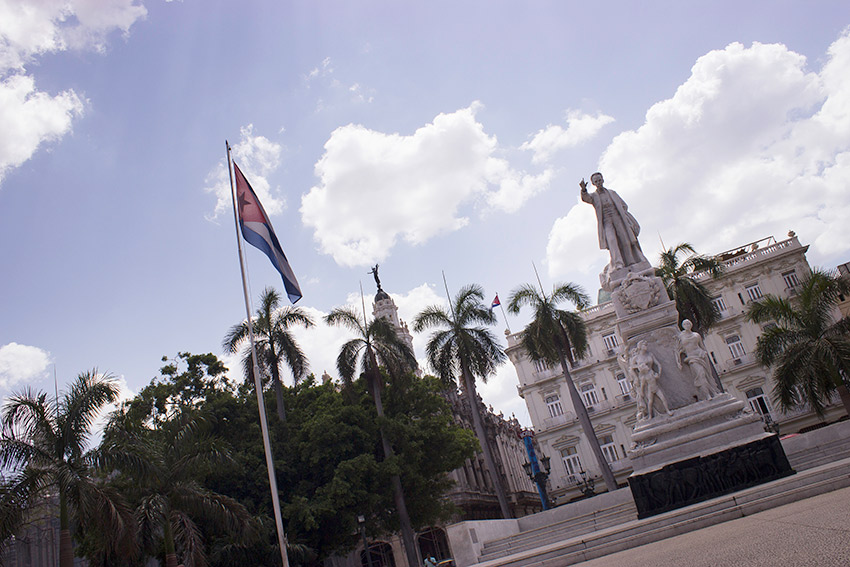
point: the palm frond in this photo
(81, 406)
(346, 317)
(346, 361)
(189, 539)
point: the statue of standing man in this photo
(618, 230)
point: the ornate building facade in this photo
(749, 272)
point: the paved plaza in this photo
(814, 532)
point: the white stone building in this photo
(751, 271)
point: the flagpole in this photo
(448, 295)
(502, 307)
(258, 385)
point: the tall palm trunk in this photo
(170, 551)
(66, 544)
(278, 390)
(407, 534)
(484, 441)
(586, 425)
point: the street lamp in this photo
(361, 521)
(769, 424)
(585, 484)
(539, 473)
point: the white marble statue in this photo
(617, 228)
(634, 382)
(647, 369)
(692, 347)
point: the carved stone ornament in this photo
(638, 293)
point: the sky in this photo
(430, 138)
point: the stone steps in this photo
(826, 453)
(560, 531)
(604, 541)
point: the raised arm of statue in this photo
(585, 196)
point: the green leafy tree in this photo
(186, 381)
(274, 342)
(550, 337)
(165, 464)
(335, 470)
(43, 446)
(808, 348)
(693, 300)
(463, 347)
(377, 345)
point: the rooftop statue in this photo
(374, 272)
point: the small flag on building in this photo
(257, 230)
(495, 302)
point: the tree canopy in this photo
(191, 440)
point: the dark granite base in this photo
(693, 480)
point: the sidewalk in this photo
(814, 532)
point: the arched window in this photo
(381, 554)
(434, 543)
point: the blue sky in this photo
(423, 136)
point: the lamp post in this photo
(537, 471)
(769, 424)
(361, 521)
(585, 484)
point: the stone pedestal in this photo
(694, 479)
(701, 448)
(692, 431)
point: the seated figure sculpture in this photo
(692, 347)
(647, 369)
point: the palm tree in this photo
(378, 345)
(462, 346)
(693, 300)
(550, 337)
(43, 445)
(274, 341)
(165, 464)
(808, 349)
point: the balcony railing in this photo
(745, 257)
(551, 422)
(739, 362)
(624, 399)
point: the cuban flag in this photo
(496, 303)
(257, 230)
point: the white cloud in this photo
(29, 29)
(21, 363)
(376, 188)
(29, 117)
(572, 244)
(257, 157)
(752, 144)
(580, 128)
(336, 91)
(322, 70)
